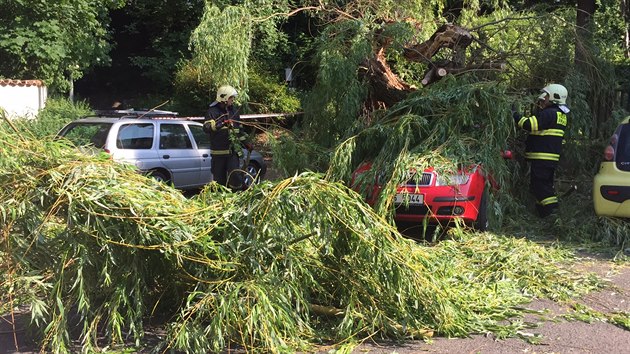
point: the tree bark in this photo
(601, 95)
(583, 21)
(447, 36)
(386, 88)
(625, 12)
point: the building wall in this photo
(22, 98)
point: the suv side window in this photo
(201, 138)
(622, 156)
(85, 134)
(135, 136)
(174, 136)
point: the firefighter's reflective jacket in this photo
(224, 127)
(546, 133)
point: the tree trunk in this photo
(386, 88)
(583, 21)
(601, 95)
(625, 12)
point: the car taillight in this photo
(609, 153)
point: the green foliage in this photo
(158, 33)
(57, 113)
(288, 264)
(427, 12)
(614, 231)
(56, 41)
(221, 46)
(268, 94)
(227, 44)
(276, 268)
(293, 155)
(336, 100)
(608, 24)
(401, 34)
(193, 92)
(271, 44)
(454, 122)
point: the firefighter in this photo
(223, 123)
(543, 146)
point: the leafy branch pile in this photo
(90, 244)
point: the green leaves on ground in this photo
(279, 267)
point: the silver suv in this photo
(169, 148)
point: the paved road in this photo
(557, 334)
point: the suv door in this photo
(178, 155)
(134, 144)
(202, 141)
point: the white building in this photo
(22, 98)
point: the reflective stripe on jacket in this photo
(546, 133)
(216, 116)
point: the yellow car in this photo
(611, 187)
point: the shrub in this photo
(57, 113)
(191, 95)
(267, 94)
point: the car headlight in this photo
(452, 180)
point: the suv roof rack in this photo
(132, 113)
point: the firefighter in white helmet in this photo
(227, 138)
(543, 146)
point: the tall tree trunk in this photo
(601, 95)
(585, 12)
(625, 12)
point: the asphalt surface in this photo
(555, 333)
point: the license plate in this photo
(412, 199)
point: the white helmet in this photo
(225, 92)
(557, 93)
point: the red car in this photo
(439, 199)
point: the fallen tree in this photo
(386, 86)
(90, 244)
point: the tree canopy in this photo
(57, 41)
(94, 247)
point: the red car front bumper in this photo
(436, 202)
(444, 203)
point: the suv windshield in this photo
(623, 148)
(82, 134)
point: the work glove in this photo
(207, 127)
(223, 123)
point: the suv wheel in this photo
(159, 176)
(251, 175)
